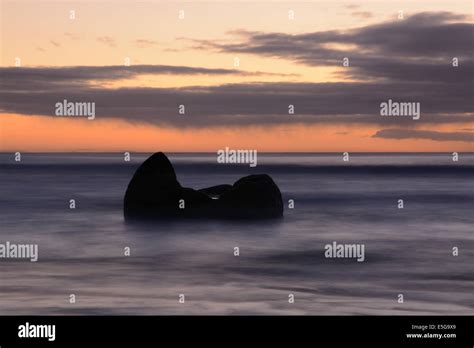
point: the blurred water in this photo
(408, 250)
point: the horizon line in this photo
(263, 152)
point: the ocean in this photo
(408, 251)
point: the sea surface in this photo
(408, 251)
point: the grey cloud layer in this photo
(112, 72)
(419, 47)
(245, 104)
(78, 78)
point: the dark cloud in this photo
(412, 71)
(64, 78)
(421, 35)
(243, 104)
(424, 134)
(419, 47)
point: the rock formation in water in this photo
(154, 192)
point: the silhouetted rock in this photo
(154, 192)
(253, 196)
(216, 191)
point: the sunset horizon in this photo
(270, 79)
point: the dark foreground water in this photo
(407, 251)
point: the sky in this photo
(236, 67)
